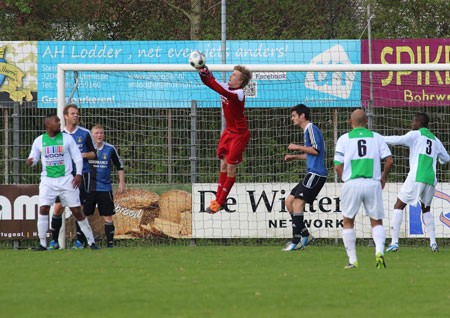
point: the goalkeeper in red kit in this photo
(236, 135)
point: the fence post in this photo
(193, 158)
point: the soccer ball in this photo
(197, 59)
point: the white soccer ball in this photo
(197, 59)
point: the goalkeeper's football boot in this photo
(291, 246)
(392, 248)
(78, 245)
(350, 265)
(214, 207)
(305, 241)
(434, 248)
(380, 263)
(53, 245)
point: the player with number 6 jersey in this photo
(357, 161)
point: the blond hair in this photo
(246, 74)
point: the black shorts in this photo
(84, 188)
(103, 199)
(309, 188)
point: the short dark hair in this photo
(48, 117)
(302, 109)
(51, 115)
(423, 119)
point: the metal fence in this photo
(165, 146)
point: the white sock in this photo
(379, 237)
(428, 219)
(396, 223)
(87, 230)
(349, 238)
(42, 227)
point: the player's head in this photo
(98, 134)
(301, 109)
(68, 107)
(52, 124)
(358, 118)
(420, 120)
(240, 77)
(71, 115)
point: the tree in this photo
(410, 19)
(201, 19)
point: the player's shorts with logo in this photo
(232, 146)
(309, 188)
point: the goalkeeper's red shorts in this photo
(232, 146)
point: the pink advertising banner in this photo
(407, 89)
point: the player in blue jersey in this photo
(100, 191)
(313, 151)
(83, 139)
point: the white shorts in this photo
(413, 192)
(362, 191)
(50, 188)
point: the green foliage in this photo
(245, 20)
(411, 19)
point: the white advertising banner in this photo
(257, 210)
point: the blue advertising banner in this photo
(177, 89)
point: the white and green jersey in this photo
(361, 151)
(424, 151)
(56, 154)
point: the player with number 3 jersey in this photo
(425, 150)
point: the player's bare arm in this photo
(76, 182)
(89, 155)
(295, 157)
(339, 169)
(388, 164)
(29, 162)
(308, 150)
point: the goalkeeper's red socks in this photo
(228, 184)
(221, 183)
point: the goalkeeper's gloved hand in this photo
(204, 71)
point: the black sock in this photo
(297, 227)
(56, 227)
(304, 232)
(80, 235)
(109, 232)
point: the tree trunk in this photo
(196, 19)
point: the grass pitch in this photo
(223, 281)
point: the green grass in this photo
(223, 281)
